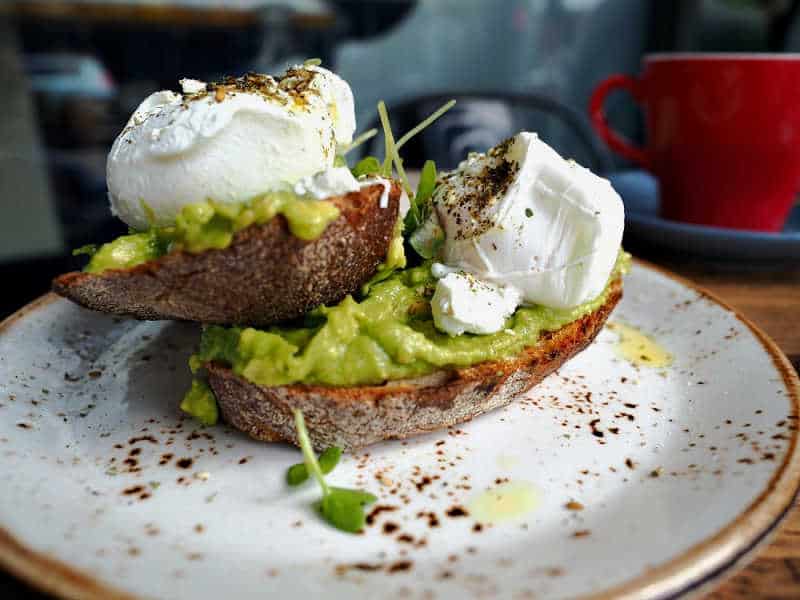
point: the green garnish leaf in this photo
(312, 62)
(360, 496)
(528, 213)
(367, 166)
(342, 512)
(88, 249)
(342, 508)
(297, 474)
(422, 229)
(420, 203)
(329, 459)
(427, 183)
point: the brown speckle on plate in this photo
(456, 512)
(581, 533)
(400, 566)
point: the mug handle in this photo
(598, 116)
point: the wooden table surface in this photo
(770, 298)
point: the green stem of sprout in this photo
(391, 149)
(308, 452)
(425, 123)
(341, 507)
(364, 137)
(388, 139)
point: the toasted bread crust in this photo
(265, 275)
(353, 417)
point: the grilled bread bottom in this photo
(353, 417)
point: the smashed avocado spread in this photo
(206, 225)
(388, 335)
(200, 402)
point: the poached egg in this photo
(229, 142)
(537, 227)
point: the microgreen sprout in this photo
(417, 210)
(429, 238)
(425, 123)
(312, 62)
(423, 231)
(343, 508)
(298, 473)
(367, 166)
(391, 149)
(427, 182)
(428, 179)
(360, 139)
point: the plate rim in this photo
(710, 559)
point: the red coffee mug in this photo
(723, 135)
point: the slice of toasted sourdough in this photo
(353, 417)
(265, 275)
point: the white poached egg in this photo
(229, 142)
(522, 218)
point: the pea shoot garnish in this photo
(298, 473)
(424, 235)
(367, 166)
(343, 508)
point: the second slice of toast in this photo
(354, 417)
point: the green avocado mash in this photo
(206, 225)
(200, 402)
(127, 251)
(395, 259)
(388, 335)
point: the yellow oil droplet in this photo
(504, 502)
(639, 348)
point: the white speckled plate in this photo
(672, 476)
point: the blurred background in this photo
(71, 72)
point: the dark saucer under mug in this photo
(639, 191)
